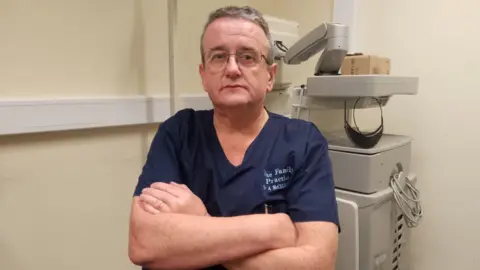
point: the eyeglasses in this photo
(217, 60)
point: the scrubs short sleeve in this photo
(162, 162)
(311, 196)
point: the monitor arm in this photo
(330, 37)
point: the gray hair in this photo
(247, 13)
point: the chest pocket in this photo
(272, 207)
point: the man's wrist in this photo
(281, 231)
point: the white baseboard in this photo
(47, 115)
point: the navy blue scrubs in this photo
(286, 167)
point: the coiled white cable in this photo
(407, 198)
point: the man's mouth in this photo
(234, 86)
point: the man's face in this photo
(235, 71)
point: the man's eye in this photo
(248, 57)
(218, 56)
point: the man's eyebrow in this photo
(223, 48)
(218, 48)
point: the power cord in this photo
(407, 198)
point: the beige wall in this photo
(86, 48)
(438, 41)
(64, 197)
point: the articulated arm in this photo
(330, 37)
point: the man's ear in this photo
(272, 72)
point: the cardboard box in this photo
(360, 64)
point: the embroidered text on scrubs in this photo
(277, 179)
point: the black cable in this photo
(355, 122)
(280, 45)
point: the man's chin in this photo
(233, 102)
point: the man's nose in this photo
(232, 68)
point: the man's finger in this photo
(172, 189)
(149, 209)
(154, 203)
(146, 207)
(160, 197)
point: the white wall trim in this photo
(195, 101)
(19, 116)
(46, 115)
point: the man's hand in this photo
(173, 197)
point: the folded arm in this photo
(316, 249)
(179, 241)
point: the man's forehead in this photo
(234, 32)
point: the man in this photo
(236, 187)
